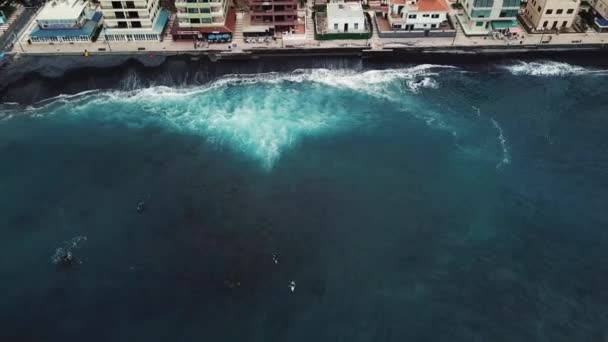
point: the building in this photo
(210, 20)
(481, 17)
(601, 14)
(62, 21)
(418, 15)
(345, 18)
(138, 20)
(275, 15)
(551, 14)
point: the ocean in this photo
(412, 202)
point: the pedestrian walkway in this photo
(310, 26)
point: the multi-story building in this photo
(211, 20)
(65, 21)
(277, 15)
(481, 17)
(551, 14)
(133, 20)
(417, 15)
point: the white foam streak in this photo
(503, 143)
(550, 68)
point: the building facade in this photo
(345, 18)
(211, 20)
(481, 17)
(138, 20)
(551, 14)
(410, 15)
(277, 15)
(62, 21)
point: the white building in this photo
(133, 20)
(65, 21)
(345, 18)
(551, 14)
(410, 15)
(482, 17)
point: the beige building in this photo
(133, 20)
(551, 14)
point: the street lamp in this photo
(105, 34)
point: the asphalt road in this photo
(8, 38)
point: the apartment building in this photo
(276, 15)
(210, 20)
(137, 20)
(482, 17)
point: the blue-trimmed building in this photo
(70, 21)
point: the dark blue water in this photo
(427, 203)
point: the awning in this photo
(504, 25)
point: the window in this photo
(335, 26)
(195, 21)
(559, 11)
(484, 3)
(540, 9)
(191, 1)
(433, 25)
(425, 15)
(479, 23)
(122, 24)
(116, 4)
(356, 26)
(549, 11)
(412, 16)
(133, 15)
(569, 11)
(192, 10)
(136, 24)
(206, 20)
(130, 4)
(120, 15)
(545, 23)
(435, 16)
(565, 23)
(205, 10)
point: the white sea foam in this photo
(504, 145)
(67, 247)
(549, 68)
(260, 115)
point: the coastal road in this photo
(8, 38)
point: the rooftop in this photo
(62, 9)
(344, 10)
(432, 5)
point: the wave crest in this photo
(549, 68)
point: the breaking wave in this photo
(550, 68)
(264, 114)
(67, 248)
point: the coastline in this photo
(29, 78)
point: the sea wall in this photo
(28, 79)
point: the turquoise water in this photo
(424, 203)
